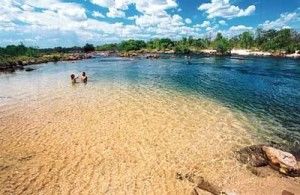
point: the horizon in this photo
(69, 23)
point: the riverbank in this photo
(208, 52)
(11, 64)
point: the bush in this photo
(131, 45)
(88, 48)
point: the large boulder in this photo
(285, 162)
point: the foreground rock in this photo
(285, 162)
(262, 155)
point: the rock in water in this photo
(252, 155)
(198, 191)
(285, 162)
(29, 69)
(284, 192)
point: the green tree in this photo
(88, 48)
(221, 44)
(131, 45)
(246, 40)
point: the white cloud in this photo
(236, 30)
(223, 9)
(115, 13)
(188, 21)
(143, 6)
(222, 22)
(282, 22)
(205, 24)
(97, 14)
(159, 19)
(67, 23)
(35, 21)
(240, 28)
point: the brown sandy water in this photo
(117, 139)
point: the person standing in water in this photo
(84, 77)
(73, 79)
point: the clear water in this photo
(267, 90)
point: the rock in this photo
(19, 67)
(201, 184)
(152, 56)
(29, 69)
(285, 162)
(205, 185)
(198, 191)
(284, 192)
(252, 155)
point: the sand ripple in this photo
(123, 140)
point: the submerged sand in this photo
(112, 139)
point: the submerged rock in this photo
(29, 69)
(198, 191)
(284, 192)
(253, 156)
(202, 186)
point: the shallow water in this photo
(137, 123)
(266, 90)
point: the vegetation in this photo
(19, 50)
(108, 47)
(15, 56)
(285, 40)
(131, 45)
(88, 48)
(221, 44)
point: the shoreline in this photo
(19, 63)
(206, 52)
(11, 64)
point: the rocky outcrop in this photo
(18, 63)
(128, 54)
(152, 56)
(262, 155)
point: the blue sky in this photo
(50, 23)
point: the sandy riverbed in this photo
(121, 140)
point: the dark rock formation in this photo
(29, 69)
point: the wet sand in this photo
(112, 139)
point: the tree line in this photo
(285, 40)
